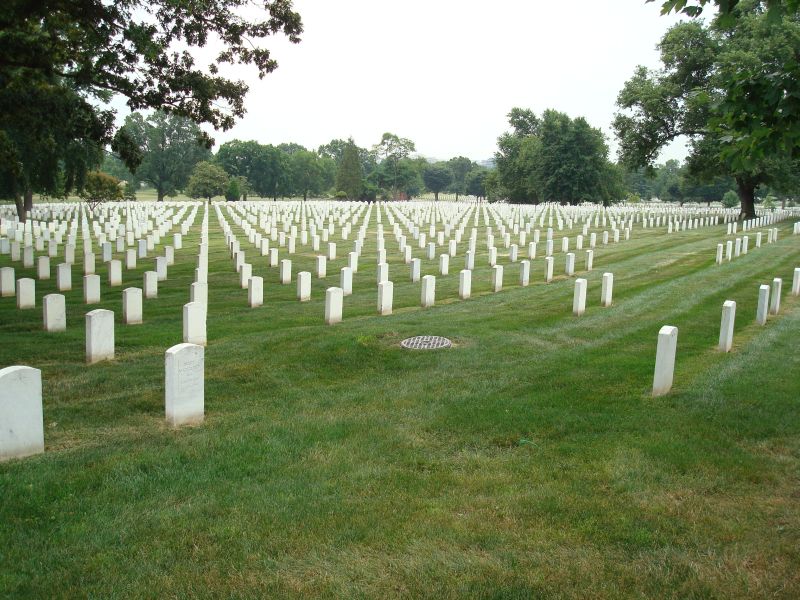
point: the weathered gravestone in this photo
(21, 417)
(184, 386)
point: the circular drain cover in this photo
(426, 342)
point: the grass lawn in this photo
(528, 461)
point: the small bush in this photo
(101, 187)
(730, 199)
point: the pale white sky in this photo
(445, 73)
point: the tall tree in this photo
(171, 147)
(460, 166)
(60, 60)
(437, 177)
(260, 165)
(307, 173)
(207, 180)
(392, 149)
(554, 158)
(349, 175)
(731, 88)
(476, 182)
(514, 149)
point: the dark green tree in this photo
(335, 149)
(554, 158)
(437, 177)
(291, 148)
(476, 182)
(232, 192)
(391, 150)
(60, 60)
(170, 146)
(307, 173)
(732, 89)
(460, 166)
(207, 180)
(101, 187)
(258, 164)
(349, 177)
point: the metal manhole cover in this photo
(426, 342)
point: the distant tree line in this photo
(174, 160)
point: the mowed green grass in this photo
(528, 461)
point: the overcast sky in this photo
(445, 73)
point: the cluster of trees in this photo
(554, 158)
(174, 160)
(672, 182)
(387, 171)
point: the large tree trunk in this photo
(160, 194)
(20, 202)
(746, 190)
(305, 194)
(435, 196)
(28, 199)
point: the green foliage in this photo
(460, 167)
(291, 148)
(309, 173)
(171, 146)
(334, 150)
(555, 158)
(101, 187)
(392, 149)
(349, 175)
(732, 88)
(207, 180)
(437, 177)
(60, 60)
(694, 8)
(232, 191)
(114, 166)
(476, 182)
(265, 167)
(50, 135)
(633, 198)
(730, 199)
(129, 191)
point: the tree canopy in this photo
(207, 180)
(58, 60)
(554, 158)
(727, 88)
(170, 150)
(349, 176)
(391, 150)
(437, 177)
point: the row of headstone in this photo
(741, 245)
(21, 406)
(768, 304)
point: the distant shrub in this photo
(730, 199)
(101, 187)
